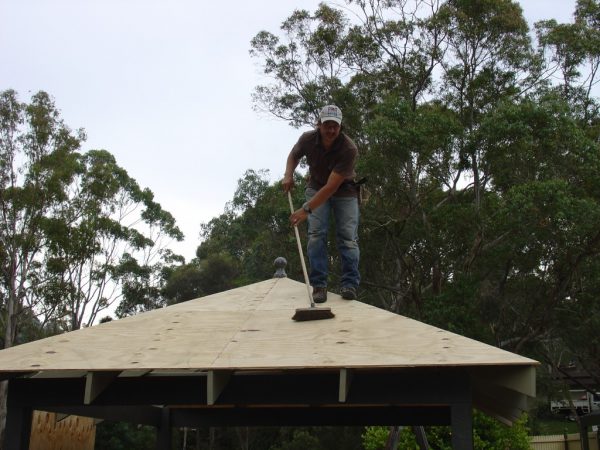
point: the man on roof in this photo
(330, 190)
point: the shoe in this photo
(348, 293)
(319, 294)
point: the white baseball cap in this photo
(331, 112)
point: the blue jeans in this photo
(346, 214)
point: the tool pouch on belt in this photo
(363, 192)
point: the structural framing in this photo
(237, 358)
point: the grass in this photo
(558, 425)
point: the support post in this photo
(345, 382)
(583, 437)
(163, 432)
(18, 423)
(462, 426)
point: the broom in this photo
(312, 312)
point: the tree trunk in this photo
(9, 340)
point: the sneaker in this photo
(319, 294)
(348, 293)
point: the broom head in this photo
(312, 313)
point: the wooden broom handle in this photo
(310, 298)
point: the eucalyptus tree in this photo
(215, 273)
(39, 159)
(107, 244)
(397, 48)
(481, 174)
(253, 230)
(537, 221)
(77, 233)
(487, 57)
(572, 52)
(385, 52)
(409, 161)
(394, 48)
(489, 54)
(305, 66)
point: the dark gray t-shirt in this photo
(341, 158)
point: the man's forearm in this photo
(290, 165)
(288, 178)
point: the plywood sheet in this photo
(251, 328)
(71, 433)
(359, 336)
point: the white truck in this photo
(584, 402)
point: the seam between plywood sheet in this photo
(243, 329)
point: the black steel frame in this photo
(441, 396)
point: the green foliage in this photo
(300, 440)
(108, 234)
(307, 70)
(317, 438)
(77, 232)
(215, 273)
(253, 231)
(374, 438)
(124, 436)
(38, 162)
(488, 434)
(482, 154)
(572, 51)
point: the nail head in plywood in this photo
(95, 383)
(346, 376)
(217, 380)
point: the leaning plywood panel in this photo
(70, 433)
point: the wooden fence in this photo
(563, 442)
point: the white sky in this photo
(165, 86)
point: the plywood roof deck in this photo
(250, 328)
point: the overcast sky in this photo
(165, 86)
